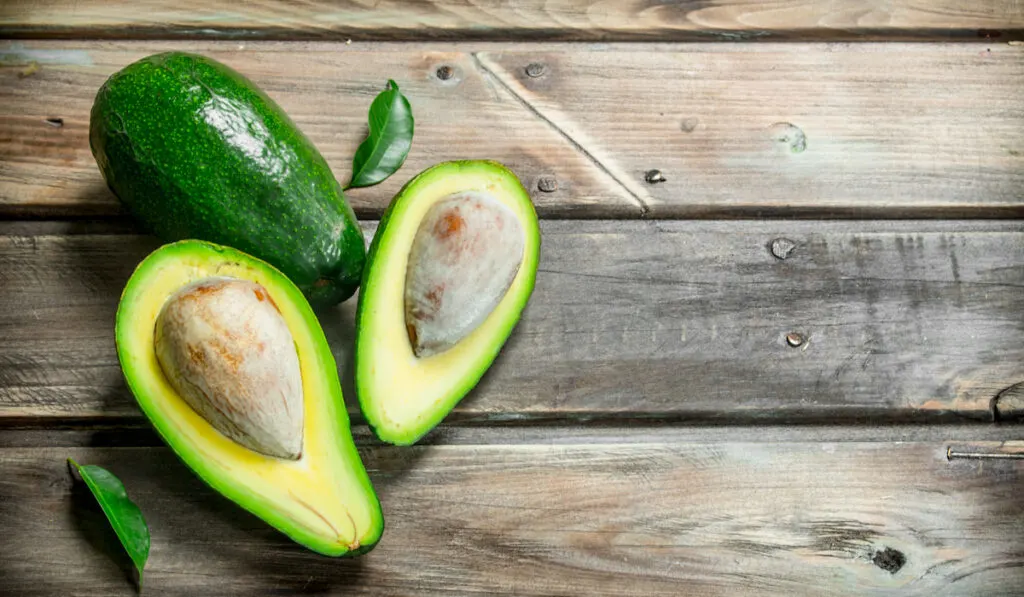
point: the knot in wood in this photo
(889, 559)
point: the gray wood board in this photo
(662, 519)
(569, 432)
(679, 321)
(736, 130)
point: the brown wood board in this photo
(708, 518)
(735, 130)
(629, 320)
(523, 19)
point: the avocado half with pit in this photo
(227, 360)
(449, 271)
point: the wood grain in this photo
(629, 320)
(710, 519)
(524, 19)
(772, 130)
(755, 130)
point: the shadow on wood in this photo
(339, 327)
(237, 534)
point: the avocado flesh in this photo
(195, 150)
(323, 499)
(401, 395)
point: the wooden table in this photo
(789, 362)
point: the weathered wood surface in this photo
(663, 519)
(702, 408)
(523, 19)
(799, 130)
(671, 320)
(964, 434)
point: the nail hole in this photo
(445, 72)
(55, 122)
(795, 339)
(782, 247)
(789, 134)
(889, 559)
(689, 125)
(654, 177)
(547, 184)
(535, 69)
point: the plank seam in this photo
(490, 74)
(962, 32)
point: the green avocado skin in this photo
(195, 150)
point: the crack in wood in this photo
(1008, 405)
(490, 75)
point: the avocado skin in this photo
(195, 150)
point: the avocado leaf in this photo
(385, 148)
(123, 514)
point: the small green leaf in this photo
(123, 514)
(384, 150)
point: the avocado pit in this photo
(227, 351)
(464, 257)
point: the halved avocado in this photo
(322, 499)
(402, 395)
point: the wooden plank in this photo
(740, 129)
(713, 519)
(630, 319)
(529, 19)
(783, 130)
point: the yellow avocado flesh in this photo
(324, 499)
(401, 395)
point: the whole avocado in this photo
(195, 150)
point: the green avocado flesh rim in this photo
(402, 396)
(324, 500)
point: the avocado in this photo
(194, 150)
(227, 360)
(449, 271)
